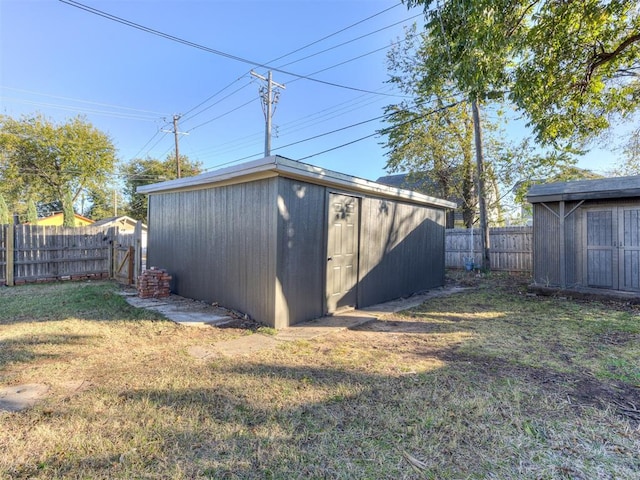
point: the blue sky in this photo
(61, 61)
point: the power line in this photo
(223, 115)
(154, 145)
(298, 50)
(335, 33)
(350, 41)
(219, 101)
(100, 104)
(419, 117)
(322, 70)
(198, 46)
(148, 142)
(213, 96)
(126, 116)
(348, 61)
(321, 116)
(446, 107)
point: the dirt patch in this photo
(402, 326)
(582, 390)
(420, 340)
(514, 282)
(20, 397)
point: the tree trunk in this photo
(484, 225)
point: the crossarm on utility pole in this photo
(268, 102)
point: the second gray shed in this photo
(284, 241)
(586, 233)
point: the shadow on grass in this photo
(326, 422)
(59, 301)
(23, 348)
(262, 420)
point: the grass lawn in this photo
(488, 383)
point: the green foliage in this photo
(32, 212)
(101, 204)
(4, 211)
(572, 67)
(630, 162)
(45, 161)
(67, 211)
(140, 172)
(431, 135)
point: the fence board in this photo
(511, 248)
(3, 254)
(47, 253)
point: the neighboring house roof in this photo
(57, 219)
(122, 221)
(600, 189)
(275, 166)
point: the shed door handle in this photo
(329, 259)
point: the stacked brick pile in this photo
(154, 283)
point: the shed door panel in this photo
(629, 248)
(342, 252)
(600, 249)
(613, 248)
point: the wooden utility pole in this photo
(269, 98)
(175, 135)
(485, 244)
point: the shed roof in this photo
(600, 189)
(274, 166)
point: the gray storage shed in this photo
(284, 241)
(586, 233)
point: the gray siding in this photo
(546, 245)
(301, 259)
(402, 250)
(573, 242)
(260, 247)
(219, 244)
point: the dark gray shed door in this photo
(630, 248)
(342, 252)
(613, 248)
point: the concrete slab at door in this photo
(342, 252)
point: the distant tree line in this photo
(72, 167)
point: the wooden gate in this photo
(123, 264)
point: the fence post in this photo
(10, 252)
(111, 233)
(137, 239)
(131, 254)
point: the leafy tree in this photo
(4, 211)
(47, 161)
(102, 204)
(572, 67)
(32, 212)
(69, 216)
(630, 162)
(432, 133)
(140, 172)
(429, 139)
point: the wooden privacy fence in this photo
(511, 248)
(33, 253)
